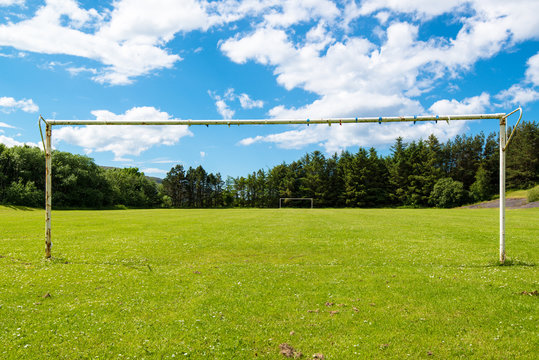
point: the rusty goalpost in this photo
(501, 117)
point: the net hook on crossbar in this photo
(518, 121)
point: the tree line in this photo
(416, 174)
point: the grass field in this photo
(235, 284)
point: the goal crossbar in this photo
(501, 117)
(347, 120)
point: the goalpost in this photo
(285, 200)
(501, 117)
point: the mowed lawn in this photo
(235, 284)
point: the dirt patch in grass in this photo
(288, 351)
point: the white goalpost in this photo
(294, 199)
(501, 117)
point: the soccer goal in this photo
(289, 200)
(500, 117)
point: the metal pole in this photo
(48, 191)
(503, 139)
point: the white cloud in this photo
(275, 13)
(424, 8)
(353, 76)
(336, 138)
(524, 92)
(4, 125)
(77, 70)
(518, 95)
(472, 105)
(154, 171)
(11, 2)
(532, 73)
(9, 104)
(248, 103)
(223, 107)
(123, 140)
(129, 44)
(202, 154)
(10, 142)
(129, 39)
(293, 12)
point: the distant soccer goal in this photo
(289, 200)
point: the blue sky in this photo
(191, 59)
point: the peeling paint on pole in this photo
(48, 190)
(503, 138)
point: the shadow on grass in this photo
(139, 266)
(20, 207)
(512, 262)
(496, 263)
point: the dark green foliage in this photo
(20, 193)
(523, 157)
(481, 189)
(131, 188)
(22, 176)
(365, 179)
(448, 193)
(78, 182)
(194, 188)
(406, 177)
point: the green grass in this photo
(516, 194)
(234, 284)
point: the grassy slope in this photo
(235, 283)
(516, 194)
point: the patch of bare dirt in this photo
(288, 351)
(510, 203)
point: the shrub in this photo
(447, 193)
(533, 194)
(20, 193)
(481, 188)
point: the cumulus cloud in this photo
(123, 140)
(532, 73)
(220, 103)
(518, 95)
(337, 138)
(423, 8)
(10, 142)
(11, 2)
(223, 107)
(127, 40)
(9, 104)
(472, 105)
(354, 76)
(248, 103)
(526, 91)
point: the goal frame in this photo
(281, 199)
(500, 117)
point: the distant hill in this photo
(152, 178)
